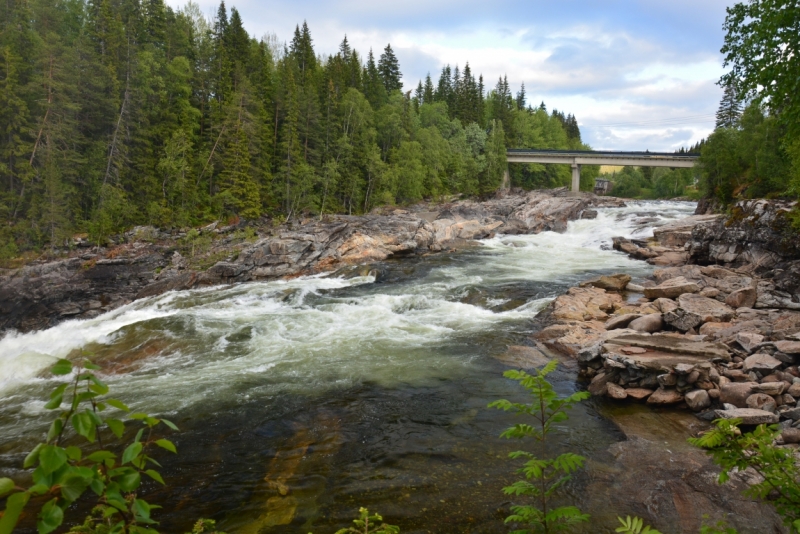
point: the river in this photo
(300, 401)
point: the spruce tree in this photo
(730, 108)
(389, 69)
(427, 91)
(521, 97)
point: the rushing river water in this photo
(299, 401)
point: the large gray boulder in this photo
(695, 310)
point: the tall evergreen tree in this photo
(730, 108)
(389, 69)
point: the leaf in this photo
(101, 456)
(85, 426)
(169, 424)
(90, 366)
(56, 397)
(30, 460)
(118, 405)
(7, 486)
(74, 453)
(62, 367)
(129, 481)
(14, 505)
(55, 429)
(116, 426)
(73, 487)
(166, 444)
(51, 458)
(50, 518)
(98, 386)
(132, 451)
(155, 475)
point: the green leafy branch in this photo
(365, 524)
(65, 473)
(735, 451)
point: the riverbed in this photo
(299, 401)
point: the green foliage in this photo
(720, 527)
(366, 524)
(544, 476)
(757, 155)
(634, 525)
(735, 451)
(115, 116)
(65, 473)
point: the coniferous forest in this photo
(123, 112)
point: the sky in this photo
(637, 74)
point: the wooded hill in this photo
(123, 112)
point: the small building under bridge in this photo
(576, 158)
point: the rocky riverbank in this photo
(86, 281)
(716, 330)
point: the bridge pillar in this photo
(506, 181)
(576, 177)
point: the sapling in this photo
(544, 476)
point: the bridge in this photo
(576, 158)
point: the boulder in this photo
(584, 304)
(788, 347)
(770, 388)
(621, 321)
(749, 340)
(794, 390)
(761, 401)
(709, 292)
(742, 298)
(665, 396)
(613, 282)
(665, 305)
(671, 288)
(599, 384)
(638, 393)
(615, 392)
(648, 323)
(791, 435)
(694, 310)
(749, 416)
(736, 393)
(698, 399)
(761, 362)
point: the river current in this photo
(300, 401)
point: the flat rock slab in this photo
(656, 361)
(788, 347)
(670, 344)
(523, 357)
(749, 416)
(671, 289)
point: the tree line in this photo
(122, 112)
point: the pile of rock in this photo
(693, 339)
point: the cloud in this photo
(651, 64)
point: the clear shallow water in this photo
(366, 388)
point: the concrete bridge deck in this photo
(576, 158)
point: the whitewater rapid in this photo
(223, 345)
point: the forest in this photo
(117, 113)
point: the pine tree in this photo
(389, 69)
(239, 190)
(374, 89)
(730, 108)
(521, 97)
(427, 92)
